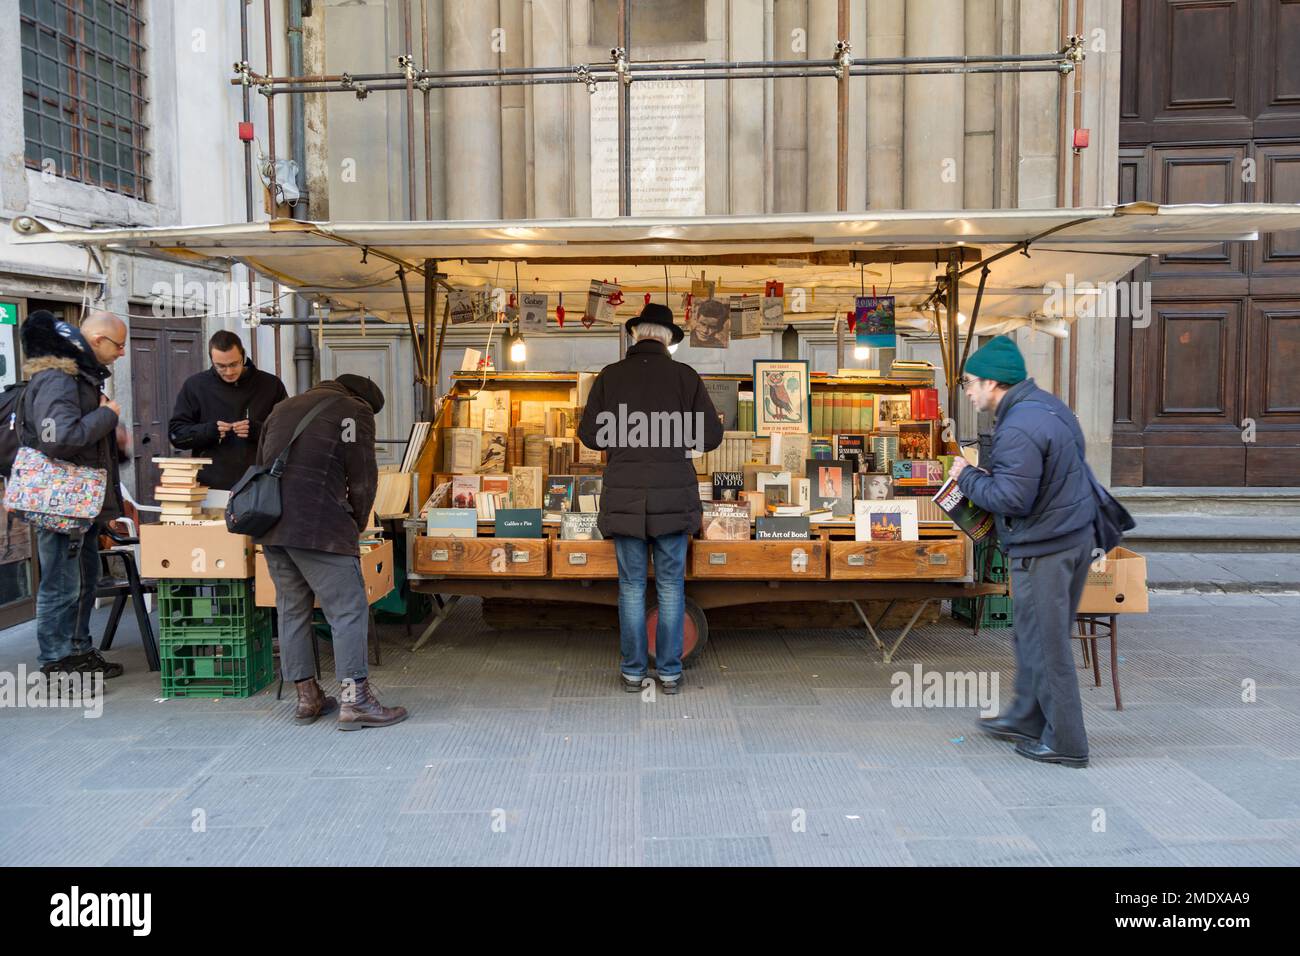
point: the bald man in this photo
(67, 416)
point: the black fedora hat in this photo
(656, 314)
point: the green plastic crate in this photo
(996, 612)
(216, 668)
(193, 611)
(998, 569)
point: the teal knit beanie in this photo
(999, 361)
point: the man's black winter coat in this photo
(206, 399)
(649, 491)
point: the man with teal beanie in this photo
(1038, 486)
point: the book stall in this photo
(827, 487)
(843, 511)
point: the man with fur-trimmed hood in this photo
(67, 416)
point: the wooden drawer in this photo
(583, 559)
(759, 560)
(481, 557)
(901, 560)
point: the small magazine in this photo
(965, 514)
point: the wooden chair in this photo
(1087, 636)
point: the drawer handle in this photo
(578, 557)
(439, 555)
(857, 560)
(520, 556)
(938, 559)
(718, 558)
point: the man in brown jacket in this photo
(327, 490)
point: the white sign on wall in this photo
(667, 149)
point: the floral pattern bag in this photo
(54, 495)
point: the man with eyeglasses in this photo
(1037, 485)
(219, 413)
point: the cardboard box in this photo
(376, 570)
(1119, 588)
(194, 551)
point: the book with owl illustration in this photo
(781, 398)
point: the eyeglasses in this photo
(121, 346)
(967, 381)
(228, 366)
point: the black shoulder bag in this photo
(254, 504)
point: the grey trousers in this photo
(1045, 594)
(301, 576)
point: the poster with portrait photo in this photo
(711, 324)
(874, 486)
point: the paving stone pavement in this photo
(784, 749)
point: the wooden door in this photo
(1206, 393)
(164, 353)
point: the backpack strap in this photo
(277, 467)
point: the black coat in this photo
(62, 402)
(649, 491)
(206, 399)
(1036, 482)
(329, 483)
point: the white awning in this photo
(833, 256)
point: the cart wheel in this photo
(695, 630)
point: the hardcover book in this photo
(831, 486)
(493, 458)
(875, 487)
(723, 521)
(782, 528)
(892, 409)
(575, 526)
(464, 490)
(886, 521)
(821, 448)
(852, 447)
(917, 440)
(727, 485)
(789, 452)
(519, 523)
(462, 450)
(452, 523)
(587, 493)
(526, 487)
(559, 495)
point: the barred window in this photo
(83, 92)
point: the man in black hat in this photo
(312, 553)
(647, 411)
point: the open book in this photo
(974, 520)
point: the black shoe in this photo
(998, 727)
(631, 686)
(672, 686)
(64, 665)
(95, 662)
(1037, 750)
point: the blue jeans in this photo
(670, 571)
(66, 595)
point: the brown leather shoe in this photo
(312, 702)
(366, 710)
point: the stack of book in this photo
(179, 491)
(912, 371)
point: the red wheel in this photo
(695, 630)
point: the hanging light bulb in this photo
(861, 352)
(518, 350)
